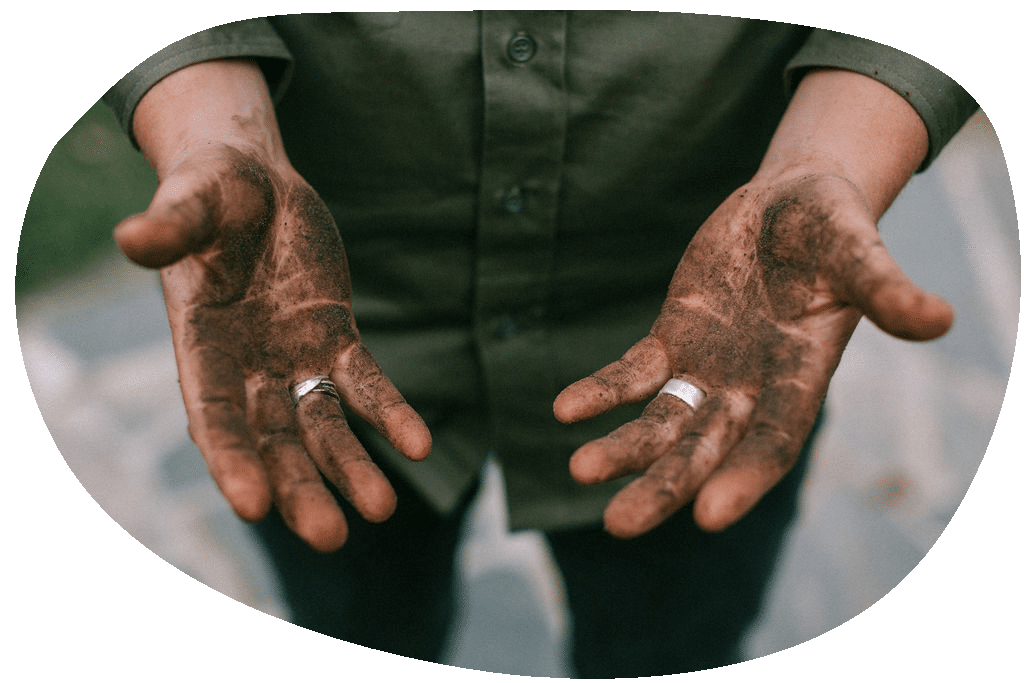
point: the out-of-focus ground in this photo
(908, 426)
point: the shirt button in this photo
(521, 48)
(513, 201)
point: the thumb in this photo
(891, 300)
(178, 222)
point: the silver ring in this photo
(684, 391)
(320, 383)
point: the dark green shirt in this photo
(515, 189)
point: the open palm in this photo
(758, 314)
(258, 296)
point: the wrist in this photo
(847, 125)
(206, 105)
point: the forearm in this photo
(846, 124)
(223, 101)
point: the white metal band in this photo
(320, 383)
(684, 391)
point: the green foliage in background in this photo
(91, 180)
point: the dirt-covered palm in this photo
(258, 297)
(758, 314)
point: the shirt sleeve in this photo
(941, 102)
(251, 38)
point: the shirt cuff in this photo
(251, 38)
(941, 102)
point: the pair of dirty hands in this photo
(757, 314)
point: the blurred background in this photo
(908, 423)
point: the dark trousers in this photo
(674, 600)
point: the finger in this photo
(758, 464)
(635, 445)
(373, 397)
(674, 478)
(770, 448)
(342, 458)
(214, 397)
(306, 505)
(878, 286)
(641, 371)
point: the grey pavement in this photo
(896, 457)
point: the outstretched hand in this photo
(758, 314)
(258, 297)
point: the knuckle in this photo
(274, 438)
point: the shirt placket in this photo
(523, 60)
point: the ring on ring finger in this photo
(688, 393)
